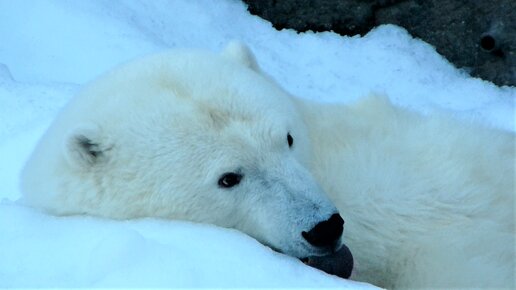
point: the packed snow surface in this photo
(48, 49)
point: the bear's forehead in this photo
(190, 94)
(246, 122)
(205, 125)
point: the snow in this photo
(48, 49)
(39, 250)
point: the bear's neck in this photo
(328, 126)
(337, 130)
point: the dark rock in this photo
(479, 36)
(344, 17)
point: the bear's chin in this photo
(339, 263)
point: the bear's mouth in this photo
(339, 263)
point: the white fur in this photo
(428, 201)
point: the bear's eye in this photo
(290, 140)
(229, 179)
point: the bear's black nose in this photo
(326, 233)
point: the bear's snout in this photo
(326, 234)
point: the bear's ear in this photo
(240, 53)
(84, 146)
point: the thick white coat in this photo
(428, 201)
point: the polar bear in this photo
(205, 137)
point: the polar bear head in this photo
(193, 136)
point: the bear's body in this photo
(428, 201)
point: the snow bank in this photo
(39, 250)
(49, 48)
